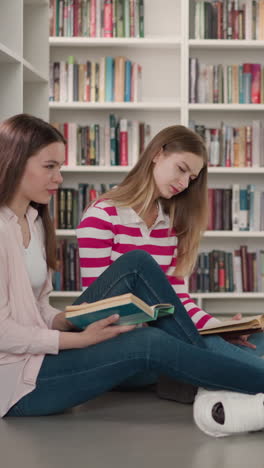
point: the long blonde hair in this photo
(188, 211)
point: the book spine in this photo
(243, 210)
(123, 142)
(235, 207)
(109, 65)
(112, 121)
(108, 18)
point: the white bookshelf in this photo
(146, 42)
(213, 234)
(112, 106)
(24, 57)
(164, 55)
(225, 44)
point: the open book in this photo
(244, 326)
(131, 309)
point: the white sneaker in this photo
(221, 413)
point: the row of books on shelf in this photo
(97, 18)
(229, 19)
(216, 271)
(230, 209)
(222, 271)
(236, 209)
(68, 204)
(118, 142)
(230, 146)
(111, 79)
(227, 84)
(67, 274)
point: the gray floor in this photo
(123, 430)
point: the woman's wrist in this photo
(70, 340)
(62, 324)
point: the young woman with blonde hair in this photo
(161, 208)
(46, 366)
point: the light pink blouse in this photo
(25, 323)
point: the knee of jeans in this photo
(137, 256)
(153, 336)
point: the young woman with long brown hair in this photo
(46, 366)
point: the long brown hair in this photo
(21, 137)
(188, 211)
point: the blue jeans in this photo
(171, 346)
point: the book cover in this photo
(243, 210)
(123, 142)
(131, 309)
(243, 326)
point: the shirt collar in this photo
(128, 216)
(9, 215)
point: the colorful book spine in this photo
(123, 142)
(109, 78)
(108, 18)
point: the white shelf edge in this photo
(65, 294)
(31, 74)
(225, 43)
(65, 233)
(8, 56)
(115, 105)
(166, 42)
(244, 295)
(236, 170)
(212, 234)
(36, 2)
(62, 294)
(105, 169)
(212, 170)
(235, 234)
(227, 107)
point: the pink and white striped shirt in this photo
(106, 232)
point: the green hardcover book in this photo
(119, 18)
(112, 125)
(141, 18)
(126, 18)
(131, 309)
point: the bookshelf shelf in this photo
(94, 169)
(124, 169)
(65, 233)
(64, 294)
(239, 234)
(227, 295)
(112, 106)
(226, 107)
(7, 55)
(36, 2)
(221, 234)
(166, 103)
(23, 68)
(149, 42)
(225, 44)
(236, 170)
(31, 74)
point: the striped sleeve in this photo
(95, 235)
(199, 317)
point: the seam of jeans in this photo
(189, 335)
(15, 409)
(74, 373)
(113, 285)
